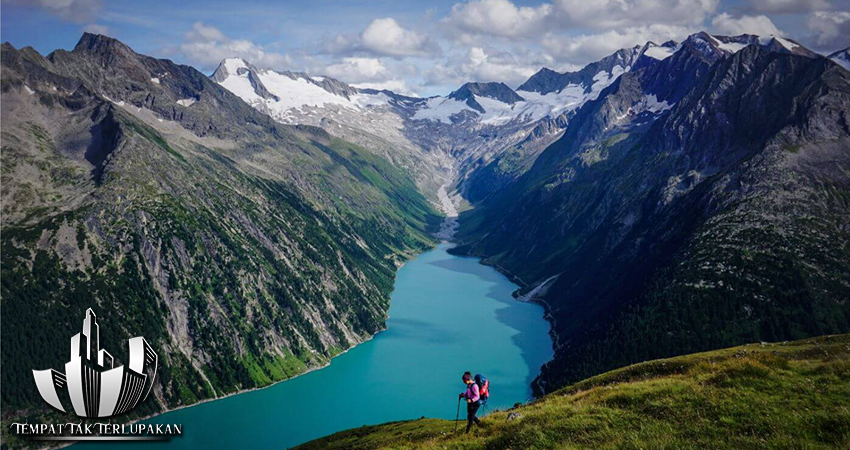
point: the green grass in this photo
(779, 396)
(153, 136)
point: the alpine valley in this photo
(667, 199)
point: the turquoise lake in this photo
(448, 314)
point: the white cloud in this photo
(359, 70)
(502, 18)
(372, 73)
(340, 44)
(605, 14)
(831, 29)
(498, 18)
(760, 25)
(96, 29)
(386, 37)
(206, 46)
(479, 64)
(788, 6)
(382, 37)
(585, 48)
(77, 11)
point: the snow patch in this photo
(297, 93)
(496, 112)
(370, 99)
(440, 109)
(731, 47)
(786, 43)
(449, 225)
(155, 80)
(554, 103)
(604, 79)
(659, 53)
(535, 106)
(234, 64)
(653, 105)
(121, 103)
(765, 40)
(446, 203)
(187, 102)
(842, 60)
(239, 84)
(29, 91)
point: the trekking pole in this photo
(457, 415)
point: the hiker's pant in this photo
(471, 410)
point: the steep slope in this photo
(470, 92)
(475, 140)
(548, 81)
(372, 119)
(479, 126)
(789, 395)
(245, 251)
(842, 58)
(481, 137)
(652, 228)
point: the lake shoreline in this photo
(241, 391)
(455, 284)
(255, 389)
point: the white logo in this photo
(95, 388)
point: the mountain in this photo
(434, 138)
(547, 81)
(483, 136)
(244, 250)
(474, 140)
(665, 199)
(698, 202)
(370, 118)
(842, 58)
(238, 72)
(753, 396)
(470, 92)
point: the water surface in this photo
(448, 314)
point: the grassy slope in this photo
(791, 395)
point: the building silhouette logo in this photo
(90, 384)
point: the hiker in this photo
(473, 400)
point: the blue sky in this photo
(417, 47)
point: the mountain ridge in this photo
(667, 198)
(630, 184)
(246, 251)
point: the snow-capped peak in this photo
(280, 93)
(788, 45)
(233, 64)
(842, 58)
(660, 52)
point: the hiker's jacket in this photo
(472, 393)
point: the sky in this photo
(412, 47)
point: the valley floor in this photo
(788, 395)
(450, 223)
